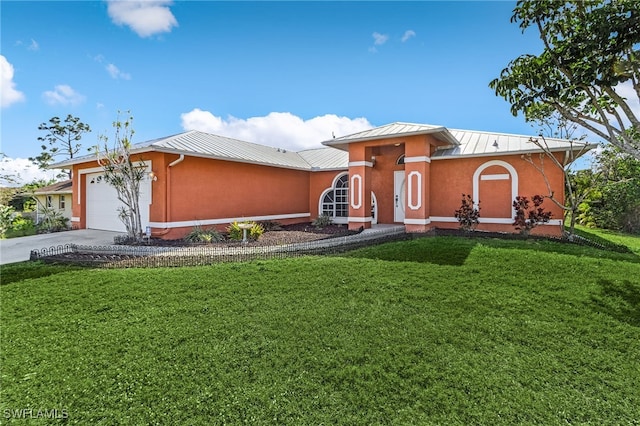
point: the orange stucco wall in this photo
(452, 178)
(196, 190)
(203, 189)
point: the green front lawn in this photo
(429, 331)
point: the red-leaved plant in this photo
(468, 213)
(528, 217)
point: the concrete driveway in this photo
(18, 249)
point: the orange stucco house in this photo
(400, 173)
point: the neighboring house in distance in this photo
(400, 173)
(56, 196)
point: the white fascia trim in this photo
(360, 163)
(224, 221)
(75, 219)
(504, 176)
(360, 219)
(420, 159)
(417, 221)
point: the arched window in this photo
(400, 160)
(335, 201)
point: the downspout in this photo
(167, 194)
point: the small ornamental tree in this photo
(468, 214)
(528, 217)
(125, 175)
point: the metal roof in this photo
(459, 143)
(474, 143)
(326, 158)
(199, 144)
(393, 130)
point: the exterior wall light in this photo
(153, 176)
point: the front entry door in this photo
(399, 196)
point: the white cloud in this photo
(23, 171)
(63, 95)
(379, 39)
(277, 129)
(408, 34)
(115, 73)
(34, 45)
(8, 93)
(31, 46)
(627, 91)
(145, 17)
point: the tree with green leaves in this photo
(62, 140)
(614, 198)
(588, 71)
(124, 174)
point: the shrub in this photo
(6, 219)
(52, 221)
(200, 235)
(468, 215)
(270, 225)
(528, 217)
(21, 223)
(322, 221)
(236, 233)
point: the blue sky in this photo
(285, 74)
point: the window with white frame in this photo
(49, 201)
(61, 202)
(335, 202)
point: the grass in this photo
(615, 237)
(438, 330)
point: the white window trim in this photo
(504, 176)
(410, 200)
(355, 189)
(336, 219)
(476, 181)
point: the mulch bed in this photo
(288, 234)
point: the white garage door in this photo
(103, 203)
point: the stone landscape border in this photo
(124, 256)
